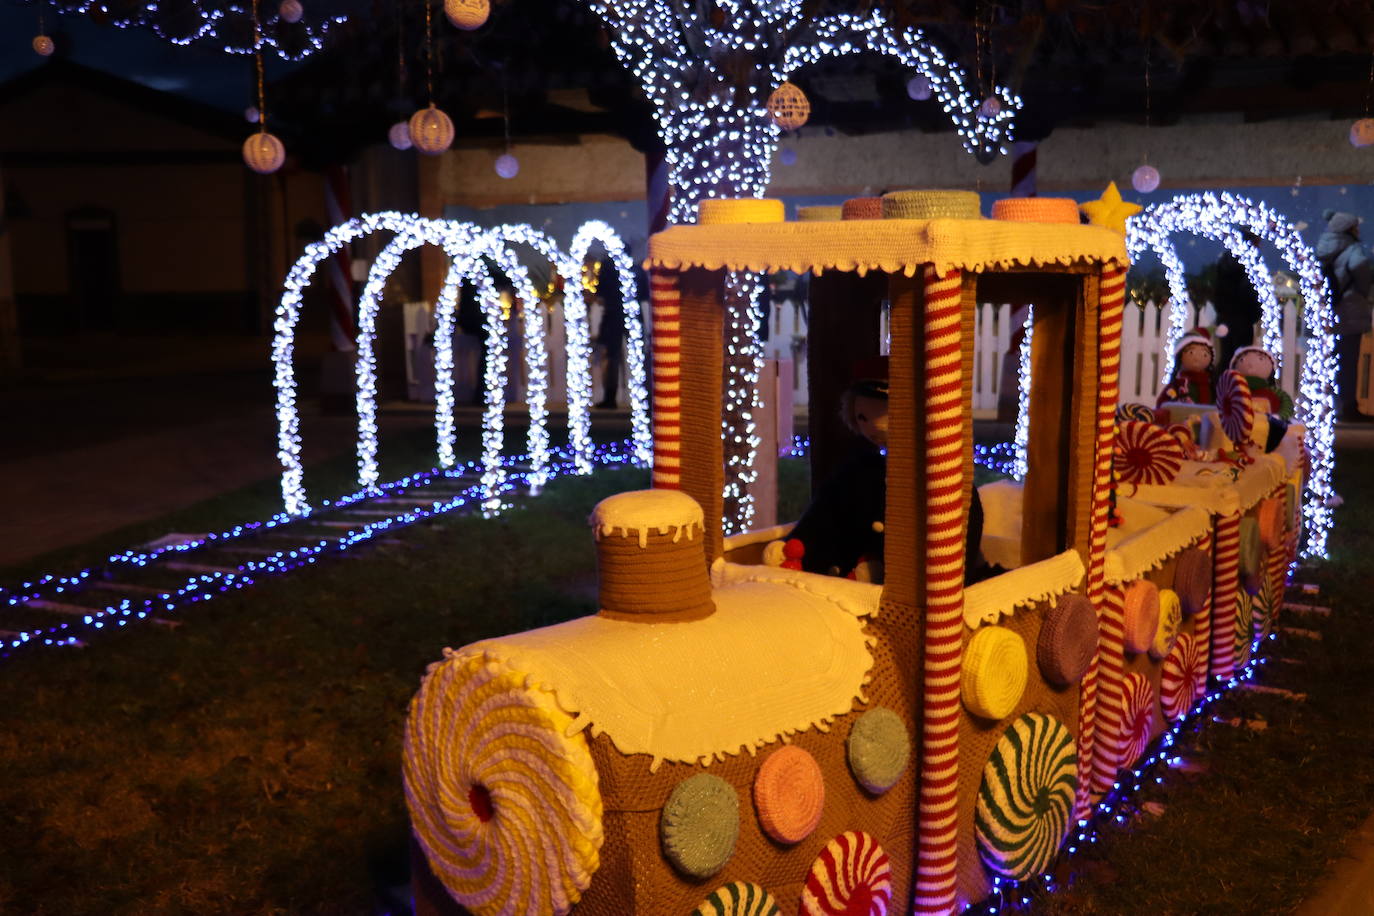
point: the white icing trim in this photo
(1150, 548)
(857, 598)
(992, 599)
(642, 511)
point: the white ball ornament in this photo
(1362, 132)
(1145, 179)
(251, 114)
(399, 135)
(991, 108)
(789, 106)
(291, 10)
(43, 46)
(467, 14)
(507, 166)
(263, 153)
(787, 156)
(431, 131)
(918, 88)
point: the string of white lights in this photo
(743, 365)
(1224, 216)
(1023, 396)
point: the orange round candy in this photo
(789, 793)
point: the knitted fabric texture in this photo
(1025, 803)
(1068, 640)
(862, 208)
(1151, 548)
(1193, 579)
(1036, 210)
(892, 245)
(738, 898)
(1001, 596)
(1183, 677)
(932, 205)
(712, 212)
(851, 877)
(878, 749)
(789, 794)
(1137, 717)
(819, 213)
(1142, 615)
(700, 825)
(1144, 453)
(1251, 551)
(994, 672)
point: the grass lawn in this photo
(249, 761)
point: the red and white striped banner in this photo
(666, 302)
(1111, 301)
(944, 595)
(1225, 578)
(338, 206)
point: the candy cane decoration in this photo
(1202, 620)
(1111, 301)
(1111, 651)
(666, 302)
(944, 598)
(1226, 577)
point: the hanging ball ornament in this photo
(263, 153)
(467, 14)
(507, 166)
(291, 10)
(1145, 179)
(1361, 132)
(788, 106)
(991, 108)
(43, 47)
(399, 135)
(251, 115)
(787, 156)
(918, 87)
(431, 131)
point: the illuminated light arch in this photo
(591, 232)
(1224, 216)
(468, 249)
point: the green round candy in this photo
(700, 825)
(879, 749)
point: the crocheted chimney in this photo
(651, 558)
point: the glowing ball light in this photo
(788, 106)
(507, 166)
(1145, 179)
(1361, 132)
(43, 47)
(787, 156)
(991, 108)
(263, 153)
(399, 135)
(251, 115)
(918, 88)
(467, 14)
(291, 10)
(431, 131)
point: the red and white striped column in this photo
(1111, 653)
(944, 595)
(1225, 578)
(1111, 301)
(666, 302)
(1202, 621)
(338, 206)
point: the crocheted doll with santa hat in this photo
(1258, 366)
(1192, 381)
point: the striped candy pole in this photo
(944, 598)
(1023, 168)
(1111, 652)
(1202, 620)
(1278, 569)
(1225, 578)
(1111, 302)
(338, 206)
(666, 302)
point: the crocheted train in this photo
(727, 736)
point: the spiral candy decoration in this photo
(1137, 717)
(1233, 403)
(1183, 677)
(505, 804)
(1146, 454)
(851, 877)
(1025, 803)
(738, 898)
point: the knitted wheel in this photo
(1141, 613)
(1036, 210)
(1170, 620)
(994, 672)
(1144, 453)
(1068, 640)
(714, 211)
(1026, 799)
(1137, 717)
(789, 793)
(738, 899)
(1138, 412)
(491, 773)
(851, 877)
(932, 205)
(700, 824)
(1193, 579)
(1183, 677)
(1233, 403)
(878, 749)
(862, 208)
(819, 214)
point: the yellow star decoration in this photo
(1109, 211)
